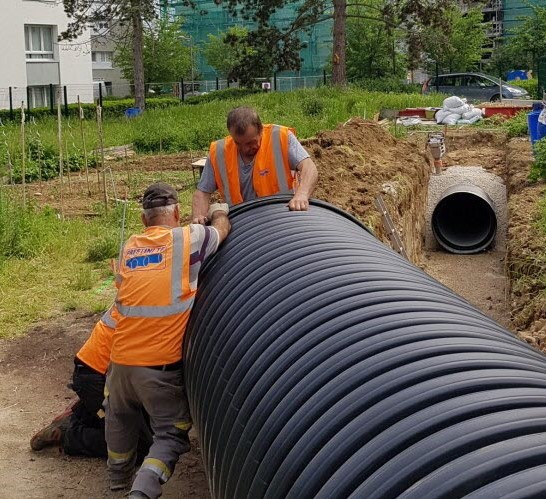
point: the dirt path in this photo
(34, 371)
(478, 278)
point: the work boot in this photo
(137, 494)
(52, 434)
(121, 483)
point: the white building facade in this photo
(33, 63)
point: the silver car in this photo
(474, 86)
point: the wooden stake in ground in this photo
(101, 144)
(68, 165)
(60, 141)
(85, 162)
(24, 152)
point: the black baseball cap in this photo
(159, 194)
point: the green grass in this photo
(45, 271)
(49, 266)
(193, 127)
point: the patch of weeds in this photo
(101, 249)
(312, 107)
(82, 279)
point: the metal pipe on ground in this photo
(321, 364)
(464, 220)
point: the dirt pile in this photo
(360, 160)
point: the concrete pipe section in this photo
(464, 220)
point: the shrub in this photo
(516, 126)
(538, 170)
(530, 85)
(110, 108)
(225, 94)
(388, 85)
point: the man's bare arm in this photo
(308, 181)
(200, 207)
(220, 221)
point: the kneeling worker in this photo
(79, 430)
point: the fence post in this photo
(182, 93)
(275, 80)
(10, 104)
(217, 84)
(100, 93)
(324, 76)
(65, 93)
(28, 100)
(51, 99)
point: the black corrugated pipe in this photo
(321, 364)
(464, 220)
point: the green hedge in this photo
(226, 94)
(110, 108)
(388, 85)
(530, 85)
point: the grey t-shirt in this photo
(207, 182)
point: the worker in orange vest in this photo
(255, 160)
(157, 283)
(79, 430)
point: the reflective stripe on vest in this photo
(222, 168)
(108, 319)
(225, 159)
(279, 162)
(177, 306)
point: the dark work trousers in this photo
(85, 434)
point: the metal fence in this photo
(47, 96)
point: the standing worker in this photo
(157, 283)
(254, 160)
(79, 430)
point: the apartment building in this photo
(103, 44)
(32, 59)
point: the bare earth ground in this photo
(354, 163)
(33, 376)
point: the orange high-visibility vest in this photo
(95, 352)
(154, 297)
(271, 173)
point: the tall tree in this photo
(225, 51)
(374, 50)
(459, 46)
(165, 55)
(411, 15)
(527, 41)
(120, 14)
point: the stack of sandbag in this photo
(455, 111)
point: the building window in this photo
(39, 42)
(100, 26)
(39, 96)
(102, 59)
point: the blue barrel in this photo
(532, 123)
(541, 130)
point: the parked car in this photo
(474, 86)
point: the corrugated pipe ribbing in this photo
(321, 364)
